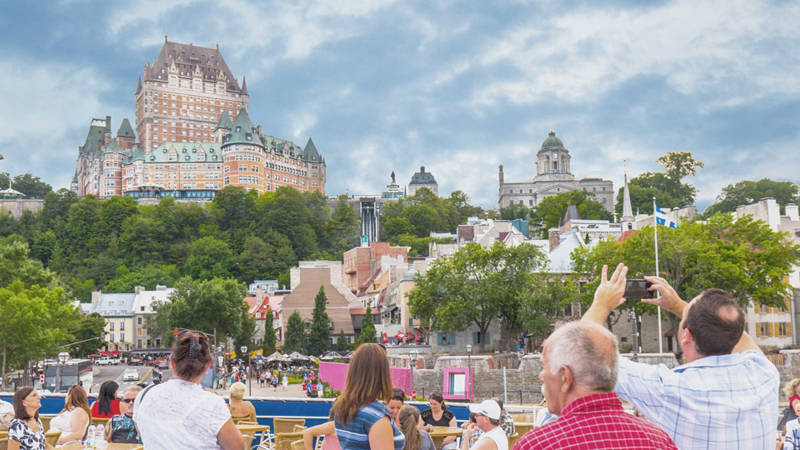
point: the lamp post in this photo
(469, 372)
(249, 371)
(414, 355)
(62, 359)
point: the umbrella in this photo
(275, 357)
(331, 355)
(297, 356)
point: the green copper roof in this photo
(310, 153)
(225, 121)
(125, 130)
(112, 147)
(552, 142)
(137, 154)
(185, 152)
(96, 136)
(243, 131)
(422, 177)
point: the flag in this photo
(664, 220)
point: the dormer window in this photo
(238, 129)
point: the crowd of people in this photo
(724, 395)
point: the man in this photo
(121, 427)
(725, 395)
(579, 371)
(487, 420)
(506, 421)
(6, 415)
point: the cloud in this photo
(706, 49)
(47, 111)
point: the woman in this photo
(361, 420)
(26, 432)
(416, 439)
(107, 405)
(328, 432)
(395, 403)
(241, 410)
(180, 414)
(439, 416)
(73, 420)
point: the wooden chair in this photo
(103, 420)
(248, 440)
(522, 428)
(513, 439)
(4, 443)
(3, 434)
(299, 428)
(283, 441)
(52, 437)
(298, 445)
(46, 418)
(286, 425)
(254, 429)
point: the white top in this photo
(498, 436)
(179, 414)
(62, 421)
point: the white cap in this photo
(488, 408)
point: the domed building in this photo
(553, 177)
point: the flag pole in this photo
(655, 240)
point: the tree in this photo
(515, 211)
(295, 337)
(215, 304)
(551, 210)
(320, 335)
(86, 328)
(368, 332)
(209, 258)
(746, 192)
(667, 187)
(742, 256)
(341, 342)
(27, 184)
(270, 341)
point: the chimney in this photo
(138, 290)
(500, 172)
(259, 129)
(792, 212)
(96, 297)
(554, 238)
(422, 169)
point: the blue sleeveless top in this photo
(355, 435)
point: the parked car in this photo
(163, 364)
(104, 361)
(135, 362)
(130, 375)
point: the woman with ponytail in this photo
(180, 414)
(410, 422)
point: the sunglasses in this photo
(128, 400)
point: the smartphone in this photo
(637, 288)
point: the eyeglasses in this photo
(128, 400)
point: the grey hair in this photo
(133, 387)
(589, 350)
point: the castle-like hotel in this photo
(194, 138)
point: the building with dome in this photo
(553, 177)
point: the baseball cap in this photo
(488, 408)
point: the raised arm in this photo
(607, 296)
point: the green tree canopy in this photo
(478, 286)
(746, 192)
(368, 332)
(294, 340)
(551, 210)
(269, 343)
(667, 187)
(208, 258)
(319, 336)
(27, 184)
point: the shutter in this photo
(439, 338)
(789, 329)
(487, 338)
(772, 331)
(452, 338)
(758, 329)
(476, 337)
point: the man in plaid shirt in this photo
(579, 371)
(725, 395)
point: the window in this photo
(112, 337)
(122, 336)
(478, 339)
(446, 338)
(122, 326)
(111, 326)
(139, 331)
(139, 320)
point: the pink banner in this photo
(335, 375)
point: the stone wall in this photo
(522, 383)
(19, 205)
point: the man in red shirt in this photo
(579, 371)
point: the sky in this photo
(456, 86)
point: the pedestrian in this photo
(275, 383)
(487, 420)
(734, 387)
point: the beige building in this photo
(117, 310)
(143, 312)
(553, 177)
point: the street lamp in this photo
(62, 359)
(414, 355)
(469, 372)
(249, 371)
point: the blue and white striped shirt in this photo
(355, 435)
(723, 401)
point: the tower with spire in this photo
(627, 210)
